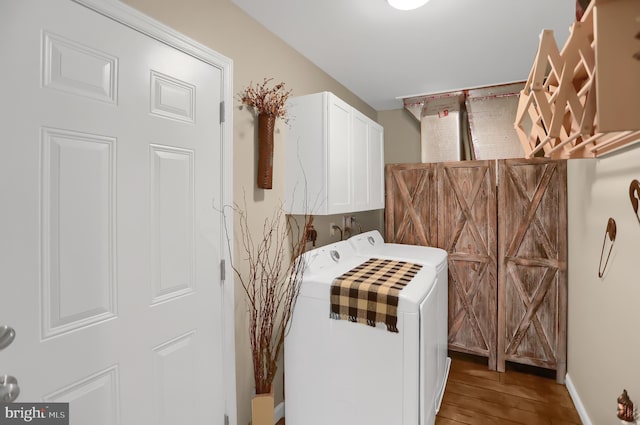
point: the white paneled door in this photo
(110, 248)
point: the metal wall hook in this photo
(7, 335)
(634, 196)
(9, 389)
(610, 232)
(336, 227)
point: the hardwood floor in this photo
(478, 396)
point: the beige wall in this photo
(401, 136)
(256, 53)
(604, 314)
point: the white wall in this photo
(604, 313)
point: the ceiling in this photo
(382, 54)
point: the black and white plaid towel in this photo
(369, 292)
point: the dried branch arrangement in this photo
(271, 285)
(265, 100)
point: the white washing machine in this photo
(343, 373)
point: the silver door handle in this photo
(9, 389)
(7, 335)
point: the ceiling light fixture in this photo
(407, 4)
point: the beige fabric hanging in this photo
(440, 126)
(467, 125)
(492, 112)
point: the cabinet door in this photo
(360, 157)
(375, 154)
(306, 155)
(532, 309)
(339, 157)
(367, 157)
(467, 231)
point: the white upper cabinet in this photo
(367, 173)
(334, 157)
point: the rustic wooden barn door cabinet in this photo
(503, 224)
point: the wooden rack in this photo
(584, 101)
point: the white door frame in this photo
(142, 23)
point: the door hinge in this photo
(223, 270)
(221, 112)
(226, 419)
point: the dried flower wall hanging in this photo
(268, 103)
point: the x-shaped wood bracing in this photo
(531, 206)
(466, 299)
(486, 257)
(411, 202)
(532, 304)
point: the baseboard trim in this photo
(582, 412)
(278, 412)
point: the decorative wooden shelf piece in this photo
(584, 101)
